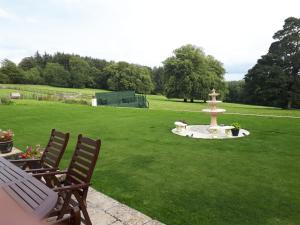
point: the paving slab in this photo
(128, 215)
(117, 223)
(153, 222)
(100, 217)
(98, 200)
(104, 210)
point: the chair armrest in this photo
(24, 160)
(40, 170)
(71, 187)
(27, 163)
(49, 173)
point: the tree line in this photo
(74, 71)
(187, 74)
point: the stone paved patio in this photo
(104, 210)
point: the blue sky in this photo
(143, 31)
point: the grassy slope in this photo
(253, 180)
(162, 103)
(50, 88)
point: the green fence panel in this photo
(122, 99)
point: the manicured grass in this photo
(177, 180)
(158, 102)
(161, 102)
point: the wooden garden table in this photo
(28, 192)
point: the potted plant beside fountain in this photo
(236, 129)
(6, 141)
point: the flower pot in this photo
(235, 132)
(6, 146)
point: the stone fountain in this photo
(211, 131)
(213, 110)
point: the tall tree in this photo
(124, 76)
(63, 59)
(33, 76)
(158, 80)
(27, 63)
(79, 72)
(235, 91)
(3, 78)
(275, 79)
(191, 74)
(15, 75)
(56, 75)
(39, 61)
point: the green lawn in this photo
(177, 180)
(161, 102)
(156, 102)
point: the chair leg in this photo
(75, 216)
(65, 205)
(83, 207)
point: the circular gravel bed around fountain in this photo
(204, 132)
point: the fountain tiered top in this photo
(213, 93)
(213, 110)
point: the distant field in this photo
(44, 92)
(156, 102)
(50, 89)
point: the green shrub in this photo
(76, 101)
(47, 97)
(6, 101)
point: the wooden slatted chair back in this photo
(83, 161)
(55, 149)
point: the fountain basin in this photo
(213, 110)
(209, 101)
(205, 132)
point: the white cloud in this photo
(31, 20)
(6, 15)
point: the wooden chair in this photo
(73, 190)
(51, 156)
